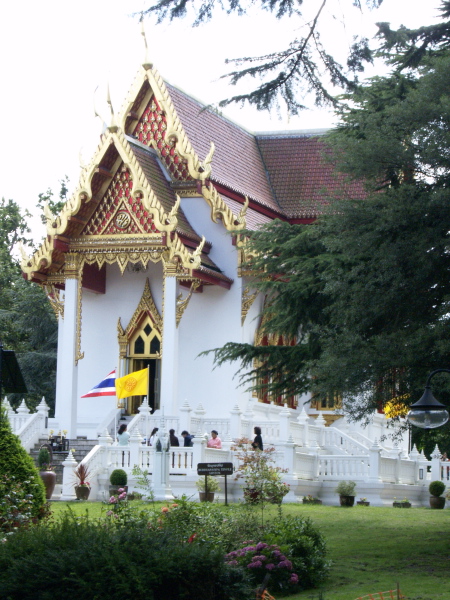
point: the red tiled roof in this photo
(237, 162)
(300, 175)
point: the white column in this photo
(284, 419)
(374, 462)
(436, 465)
(169, 362)
(66, 382)
(69, 479)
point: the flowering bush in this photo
(260, 559)
(16, 505)
(119, 511)
(263, 481)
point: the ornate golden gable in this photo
(146, 308)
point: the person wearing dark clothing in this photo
(257, 443)
(173, 438)
(187, 438)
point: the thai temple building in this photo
(143, 269)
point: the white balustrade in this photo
(343, 467)
(335, 438)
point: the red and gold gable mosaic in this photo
(152, 126)
(119, 212)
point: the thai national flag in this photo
(106, 387)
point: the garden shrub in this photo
(217, 525)
(260, 559)
(16, 463)
(96, 561)
(303, 544)
(118, 477)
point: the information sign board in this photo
(225, 468)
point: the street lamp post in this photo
(428, 413)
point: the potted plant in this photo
(346, 491)
(211, 483)
(363, 502)
(311, 500)
(263, 481)
(46, 471)
(118, 479)
(82, 485)
(405, 503)
(436, 489)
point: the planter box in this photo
(363, 503)
(315, 501)
(401, 504)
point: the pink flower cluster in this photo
(262, 556)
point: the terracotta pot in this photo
(82, 492)
(347, 500)
(49, 479)
(206, 497)
(437, 501)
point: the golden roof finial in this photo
(97, 114)
(147, 64)
(113, 126)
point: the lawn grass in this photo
(371, 549)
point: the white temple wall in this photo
(99, 342)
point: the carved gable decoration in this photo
(146, 309)
(151, 131)
(119, 212)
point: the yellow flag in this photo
(133, 384)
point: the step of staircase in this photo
(81, 445)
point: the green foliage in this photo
(16, 506)
(300, 539)
(43, 458)
(15, 462)
(122, 562)
(346, 488)
(207, 522)
(259, 560)
(27, 323)
(144, 482)
(53, 207)
(305, 67)
(118, 477)
(364, 292)
(436, 488)
(212, 483)
(263, 481)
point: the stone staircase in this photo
(81, 445)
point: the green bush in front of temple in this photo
(94, 559)
(16, 465)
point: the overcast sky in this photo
(53, 55)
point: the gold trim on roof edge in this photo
(197, 169)
(164, 222)
(182, 303)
